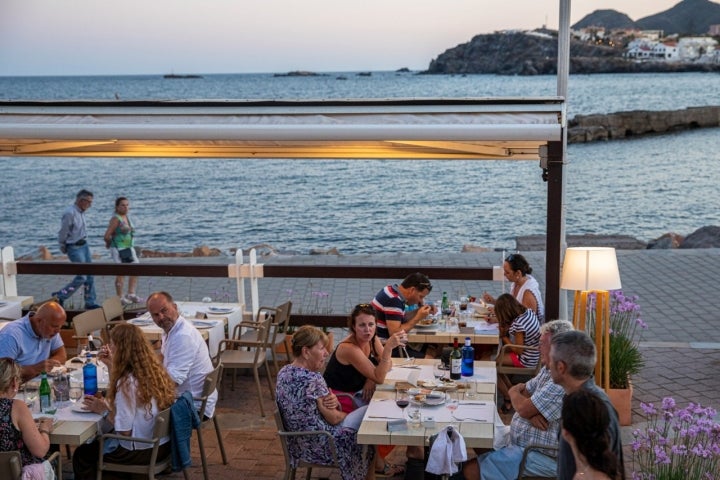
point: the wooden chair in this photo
(287, 436)
(543, 450)
(249, 352)
(11, 465)
(152, 468)
(211, 382)
(278, 335)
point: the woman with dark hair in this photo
(306, 403)
(18, 430)
(139, 389)
(120, 239)
(359, 363)
(585, 423)
(523, 286)
(518, 325)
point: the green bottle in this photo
(45, 394)
(445, 304)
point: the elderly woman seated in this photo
(306, 403)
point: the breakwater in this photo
(611, 126)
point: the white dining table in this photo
(212, 329)
(233, 312)
(10, 309)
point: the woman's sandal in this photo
(390, 470)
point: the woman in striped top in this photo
(518, 325)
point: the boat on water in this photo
(176, 75)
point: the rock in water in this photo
(703, 237)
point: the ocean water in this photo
(641, 187)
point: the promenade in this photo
(676, 289)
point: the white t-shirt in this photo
(187, 360)
(129, 416)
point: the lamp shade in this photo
(590, 268)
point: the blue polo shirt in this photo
(19, 342)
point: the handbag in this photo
(126, 255)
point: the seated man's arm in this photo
(57, 358)
(522, 401)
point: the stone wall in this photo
(590, 128)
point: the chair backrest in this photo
(10, 465)
(113, 309)
(209, 386)
(511, 370)
(162, 425)
(88, 322)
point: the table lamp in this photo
(593, 270)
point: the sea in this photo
(642, 187)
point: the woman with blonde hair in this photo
(306, 403)
(18, 430)
(139, 389)
(120, 239)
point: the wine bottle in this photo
(45, 394)
(455, 361)
(468, 359)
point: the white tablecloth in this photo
(190, 310)
(215, 328)
(11, 310)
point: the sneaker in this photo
(56, 296)
(134, 298)
(92, 306)
(125, 301)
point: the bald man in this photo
(34, 340)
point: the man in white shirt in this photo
(185, 354)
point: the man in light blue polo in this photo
(73, 241)
(34, 342)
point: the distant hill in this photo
(689, 17)
(609, 19)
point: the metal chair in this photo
(543, 450)
(248, 352)
(152, 468)
(287, 436)
(11, 465)
(505, 370)
(90, 322)
(210, 385)
(280, 322)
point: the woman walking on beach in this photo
(119, 238)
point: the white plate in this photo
(419, 325)
(219, 310)
(202, 325)
(78, 408)
(141, 322)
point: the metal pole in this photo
(563, 73)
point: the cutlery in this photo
(414, 367)
(473, 403)
(469, 419)
(386, 418)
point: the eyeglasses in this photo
(424, 285)
(510, 258)
(365, 308)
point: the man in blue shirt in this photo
(34, 342)
(73, 241)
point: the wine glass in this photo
(402, 399)
(452, 402)
(439, 372)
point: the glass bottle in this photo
(455, 361)
(445, 304)
(468, 359)
(89, 376)
(45, 394)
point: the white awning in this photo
(497, 128)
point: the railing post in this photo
(254, 297)
(8, 279)
(239, 280)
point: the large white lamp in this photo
(586, 270)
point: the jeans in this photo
(503, 464)
(79, 254)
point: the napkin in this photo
(447, 451)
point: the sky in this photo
(102, 37)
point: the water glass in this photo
(76, 390)
(439, 371)
(32, 394)
(61, 389)
(415, 415)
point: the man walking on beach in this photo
(73, 241)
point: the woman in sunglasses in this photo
(523, 286)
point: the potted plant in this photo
(626, 360)
(676, 443)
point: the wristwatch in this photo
(105, 414)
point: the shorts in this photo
(116, 256)
(516, 360)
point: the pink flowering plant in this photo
(677, 443)
(626, 329)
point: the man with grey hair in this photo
(72, 238)
(572, 364)
(537, 405)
